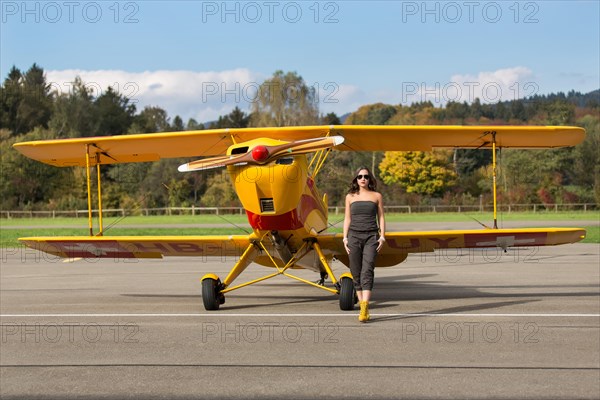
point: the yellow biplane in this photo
(275, 181)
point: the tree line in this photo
(31, 110)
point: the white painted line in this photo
(345, 314)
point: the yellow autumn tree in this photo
(425, 173)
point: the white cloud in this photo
(207, 95)
(490, 87)
(200, 95)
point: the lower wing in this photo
(399, 244)
(395, 250)
(140, 246)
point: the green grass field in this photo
(333, 218)
(22, 227)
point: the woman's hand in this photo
(381, 240)
(346, 245)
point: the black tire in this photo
(347, 294)
(210, 295)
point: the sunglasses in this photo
(362, 176)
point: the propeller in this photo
(262, 154)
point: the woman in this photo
(363, 236)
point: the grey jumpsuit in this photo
(362, 242)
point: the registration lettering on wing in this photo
(93, 249)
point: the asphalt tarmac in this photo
(461, 324)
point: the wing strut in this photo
(99, 196)
(89, 188)
(494, 177)
(89, 191)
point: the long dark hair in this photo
(354, 188)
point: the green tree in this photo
(26, 100)
(73, 114)
(285, 100)
(115, 114)
(531, 176)
(25, 182)
(372, 114)
(150, 120)
(457, 111)
(517, 110)
(476, 109)
(586, 168)
(177, 125)
(427, 173)
(11, 95)
(36, 107)
(193, 125)
(219, 192)
(468, 160)
(560, 113)
(235, 119)
(331, 119)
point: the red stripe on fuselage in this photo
(290, 220)
(287, 221)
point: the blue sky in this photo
(202, 58)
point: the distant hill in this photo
(343, 117)
(591, 99)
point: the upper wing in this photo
(152, 147)
(399, 244)
(428, 137)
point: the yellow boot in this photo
(364, 312)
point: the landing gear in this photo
(213, 289)
(211, 295)
(347, 294)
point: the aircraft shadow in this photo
(453, 310)
(391, 290)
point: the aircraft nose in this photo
(260, 153)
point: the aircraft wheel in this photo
(210, 295)
(347, 294)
